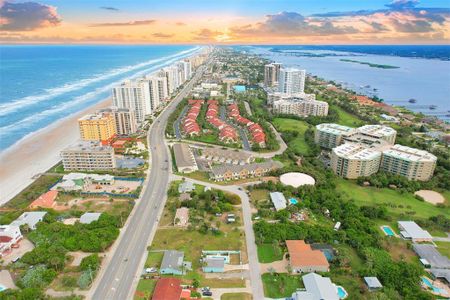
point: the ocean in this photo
(42, 84)
(421, 73)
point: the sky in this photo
(225, 22)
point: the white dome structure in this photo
(297, 179)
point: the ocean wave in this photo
(30, 121)
(17, 104)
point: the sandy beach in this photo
(37, 153)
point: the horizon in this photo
(287, 22)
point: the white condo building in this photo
(131, 95)
(291, 81)
(173, 79)
(143, 95)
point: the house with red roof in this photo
(169, 288)
(227, 133)
(46, 200)
(257, 135)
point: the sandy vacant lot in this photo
(431, 196)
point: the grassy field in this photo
(398, 205)
(236, 296)
(259, 195)
(280, 285)
(346, 118)
(298, 145)
(268, 253)
(443, 248)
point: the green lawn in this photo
(346, 118)
(236, 296)
(154, 259)
(268, 253)
(298, 145)
(280, 285)
(144, 289)
(398, 205)
(443, 248)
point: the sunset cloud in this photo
(131, 23)
(291, 24)
(162, 35)
(27, 16)
(398, 21)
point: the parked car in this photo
(207, 293)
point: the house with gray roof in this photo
(373, 284)
(316, 288)
(88, 218)
(172, 263)
(214, 265)
(443, 274)
(278, 200)
(409, 230)
(186, 187)
(184, 158)
(30, 218)
(431, 256)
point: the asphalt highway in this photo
(116, 280)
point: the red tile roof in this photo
(301, 254)
(45, 200)
(167, 289)
(5, 239)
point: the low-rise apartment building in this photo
(409, 162)
(88, 156)
(236, 172)
(184, 158)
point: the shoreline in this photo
(38, 152)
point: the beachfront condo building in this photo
(143, 95)
(409, 162)
(173, 78)
(291, 81)
(130, 95)
(352, 160)
(271, 74)
(97, 127)
(124, 119)
(300, 107)
(88, 156)
(329, 135)
(155, 91)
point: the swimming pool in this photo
(435, 289)
(293, 201)
(2, 288)
(388, 230)
(342, 293)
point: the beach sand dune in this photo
(37, 153)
